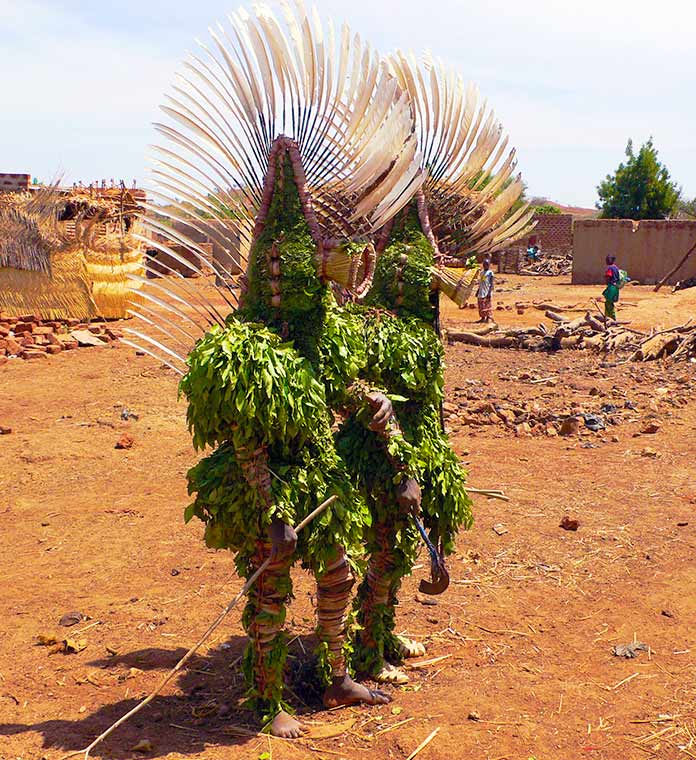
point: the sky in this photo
(570, 83)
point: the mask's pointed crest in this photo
(263, 76)
(469, 189)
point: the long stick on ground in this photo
(200, 643)
(676, 269)
(491, 493)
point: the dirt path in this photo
(526, 629)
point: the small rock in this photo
(629, 651)
(682, 524)
(615, 439)
(86, 338)
(144, 746)
(523, 429)
(426, 600)
(473, 715)
(72, 618)
(667, 613)
(5, 430)
(507, 415)
(174, 572)
(499, 529)
(568, 523)
(570, 426)
(649, 453)
(651, 428)
(126, 441)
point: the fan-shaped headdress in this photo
(465, 205)
(270, 92)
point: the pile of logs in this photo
(589, 331)
(549, 265)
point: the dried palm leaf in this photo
(272, 81)
(30, 231)
(468, 190)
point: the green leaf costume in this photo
(264, 375)
(404, 355)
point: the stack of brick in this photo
(29, 337)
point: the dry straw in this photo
(456, 284)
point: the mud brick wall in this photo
(647, 250)
(14, 183)
(553, 233)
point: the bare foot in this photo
(388, 673)
(408, 648)
(344, 691)
(286, 727)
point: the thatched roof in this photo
(30, 230)
(33, 225)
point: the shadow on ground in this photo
(206, 710)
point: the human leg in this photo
(375, 611)
(264, 617)
(333, 597)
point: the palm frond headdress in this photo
(469, 189)
(269, 87)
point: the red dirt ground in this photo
(526, 629)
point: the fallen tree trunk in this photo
(657, 347)
(676, 269)
(491, 341)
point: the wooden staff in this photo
(197, 646)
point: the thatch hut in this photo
(68, 254)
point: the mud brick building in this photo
(553, 233)
(14, 183)
(647, 250)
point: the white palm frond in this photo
(468, 189)
(265, 79)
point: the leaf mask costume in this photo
(462, 210)
(262, 380)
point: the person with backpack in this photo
(611, 292)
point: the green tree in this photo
(545, 209)
(641, 188)
(687, 207)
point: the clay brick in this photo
(13, 347)
(34, 354)
(54, 340)
(24, 327)
(3, 360)
(53, 349)
(3, 351)
(70, 345)
(27, 340)
(96, 329)
(4, 331)
(44, 330)
(3, 343)
(72, 322)
(29, 318)
(114, 334)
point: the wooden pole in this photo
(200, 643)
(676, 269)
